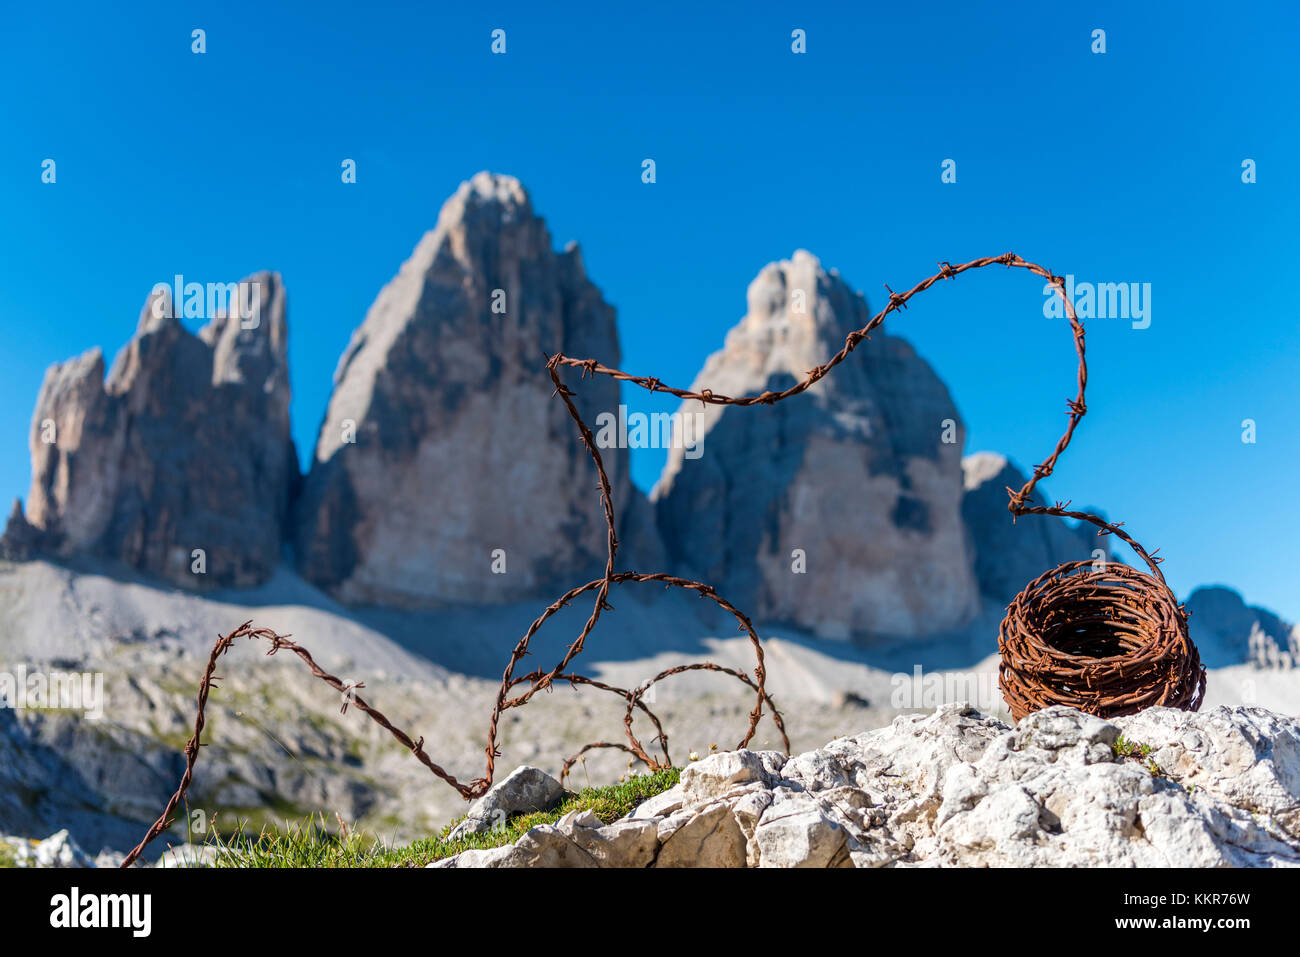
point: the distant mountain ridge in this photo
(444, 471)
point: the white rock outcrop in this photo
(957, 788)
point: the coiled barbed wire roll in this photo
(1105, 638)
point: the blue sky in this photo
(1119, 167)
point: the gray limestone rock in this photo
(182, 453)
(524, 790)
(853, 481)
(444, 469)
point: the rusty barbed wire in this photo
(1106, 640)
(1139, 608)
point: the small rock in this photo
(718, 773)
(669, 825)
(585, 817)
(549, 846)
(188, 855)
(59, 850)
(491, 857)
(625, 843)
(525, 790)
(815, 771)
(843, 700)
(711, 838)
(1068, 734)
(661, 804)
(962, 790)
(109, 859)
(804, 837)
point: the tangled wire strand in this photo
(1025, 647)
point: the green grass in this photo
(1124, 748)
(312, 844)
(8, 858)
(1141, 753)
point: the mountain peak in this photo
(764, 490)
(487, 186)
(164, 461)
(486, 196)
(410, 490)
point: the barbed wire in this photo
(1104, 638)
(543, 679)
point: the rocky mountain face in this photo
(858, 482)
(444, 469)
(179, 463)
(957, 788)
(20, 540)
(1009, 555)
